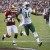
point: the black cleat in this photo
(3, 38)
(21, 33)
(40, 44)
(13, 44)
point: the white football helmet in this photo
(26, 4)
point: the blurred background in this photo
(37, 5)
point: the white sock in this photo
(36, 37)
(14, 40)
(4, 35)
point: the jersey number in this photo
(27, 14)
(11, 20)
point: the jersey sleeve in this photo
(5, 15)
(30, 10)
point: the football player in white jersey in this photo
(26, 11)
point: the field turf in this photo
(42, 29)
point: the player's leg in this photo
(16, 34)
(47, 20)
(26, 29)
(22, 32)
(32, 28)
(8, 35)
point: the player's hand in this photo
(21, 24)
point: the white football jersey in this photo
(26, 15)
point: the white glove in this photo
(21, 23)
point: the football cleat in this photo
(21, 33)
(13, 44)
(3, 37)
(40, 44)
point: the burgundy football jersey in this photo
(10, 17)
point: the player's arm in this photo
(18, 18)
(5, 20)
(31, 11)
(18, 13)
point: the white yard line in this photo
(25, 48)
(29, 40)
(24, 41)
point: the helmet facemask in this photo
(27, 6)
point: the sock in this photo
(4, 35)
(14, 40)
(36, 37)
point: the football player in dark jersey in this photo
(10, 17)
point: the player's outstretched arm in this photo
(18, 19)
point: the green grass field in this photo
(42, 29)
